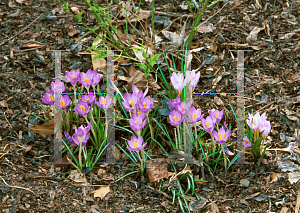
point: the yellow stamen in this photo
(87, 99)
(72, 76)
(135, 143)
(221, 137)
(182, 107)
(217, 115)
(87, 80)
(50, 97)
(139, 113)
(104, 101)
(82, 108)
(175, 118)
(62, 103)
(131, 103)
(207, 124)
(136, 122)
(145, 104)
(176, 82)
(194, 116)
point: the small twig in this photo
(17, 187)
(21, 30)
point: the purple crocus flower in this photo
(131, 101)
(64, 102)
(86, 79)
(137, 123)
(82, 108)
(146, 104)
(174, 102)
(247, 142)
(141, 114)
(221, 136)
(254, 121)
(183, 107)
(136, 144)
(95, 77)
(140, 95)
(194, 115)
(81, 134)
(176, 118)
(264, 128)
(70, 139)
(72, 76)
(225, 125)
(58, 86)
(105, 102)
(216, 115)
(89, 99)
(49, 97)
(227, 151)
(192, 78)
(177, 81)
(208, 124)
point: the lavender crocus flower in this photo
(82, 108)
(49, 97)
(176, 118)
(58, 86)
(105, 102)
(64, 102)
(183, 107)
(174, 102)
(264, 128)
(192, 78)
(131, 101)
(137, 123)
(95, 77)
(137, 91)
(136, 144)
(81, 134)
(208, 124)
(247, 142)
(216, 115)
(89, 99)
(146, 104)
(177, 81)
(194, 115)
(86, 79)
(72, 76)
(253, 121)
(221, 136)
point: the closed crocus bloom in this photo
(58, 86)
(176, 118)
(137, 123)
(89, 99)
(247, 142)
(86, 79)
(136, 144)
(105, 102)
(216, 115)
(263, 117)
(72, 76)
(184, 108)
(208, 124)
(131, 101)
(194, 115)
(81, 134)
(82, 108)
(254, 121)
(227, 151)
(140, 94)
(177, 81)
(64, 102)
(49, 97)
(264, 128)
(192, 78)
(221, 136)
(96, 78)
(146, 104)
(70, 139)
(174, 102)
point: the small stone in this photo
(245, 182)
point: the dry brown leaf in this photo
(117, 153)
(45, 129)
(77, 177)
(99, 63)
(214, 208)
(102, 192)
(122, 61)
(206, 28)
(124, 37)
(3, 103)
(275, 177)
(157, 169)
(101, 172)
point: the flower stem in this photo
(151, 130)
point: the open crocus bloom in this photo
(216, 115)
(253, 121)
(208, 124)
(82, 108)
(183, 107)
(64, 102)
(72, 76)
(247, 142)
(105, 102)
(49, 97)
(221, 136)
(176, 118)
(146, 104)
(194, 115)
(131, 101)
(95, 77)
(264, 128)
(89, 99)
(136, 144)
(86, 79)
(58, 86)
(137, 123)
(174, 102)
(81, 135)
(177, 81)
(136, 91)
